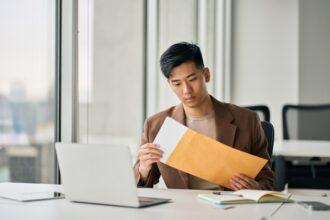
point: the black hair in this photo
(180, 53)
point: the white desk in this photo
(301, 148)
(185, 205)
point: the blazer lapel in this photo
(225, 130)
(178, 114)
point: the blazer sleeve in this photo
(259, 148)
(154, 173)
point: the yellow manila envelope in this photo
(204, 157)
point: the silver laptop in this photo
(101, 174)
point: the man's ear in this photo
(207, 74)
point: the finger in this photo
(238, 182)
(243, 181)
(148, 151)
(148, 157)
(235, 185)
(245, 178)
(246, 185)
(155, 146)
(150, 145)
(253, 184)
(152, 151)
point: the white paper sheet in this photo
(168, 136)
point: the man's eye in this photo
(176, 84)
(192, 79)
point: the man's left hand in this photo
(242, 181)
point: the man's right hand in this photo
(148, 154)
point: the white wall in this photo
(265, 55)
(281, 54)
(177, 22)
(314, 51)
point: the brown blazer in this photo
(235, 126)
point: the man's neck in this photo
(203, 109)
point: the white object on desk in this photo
(302, 148)
(29, 192)
(8, 187)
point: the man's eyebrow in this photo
(192, 74)
(176, 80)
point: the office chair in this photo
(264, 115)
(304, 122)
(269, 132)
(262, 110)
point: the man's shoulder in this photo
(159, 118)
(238, 113)
(237, 110)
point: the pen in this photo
(227, 194)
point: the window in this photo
(110, 72)
(27, 48)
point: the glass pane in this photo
(110, 72)
(27, 43)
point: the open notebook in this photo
(246, 196)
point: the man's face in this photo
(189, 83)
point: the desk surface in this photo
(184, 205)
(302, 148)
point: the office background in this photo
(87, 71)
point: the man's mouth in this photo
(189, 99)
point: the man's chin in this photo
(191, 104)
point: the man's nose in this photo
(186, 88)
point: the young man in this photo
(182, 64)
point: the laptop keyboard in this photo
(145, 201)
(148, 200)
